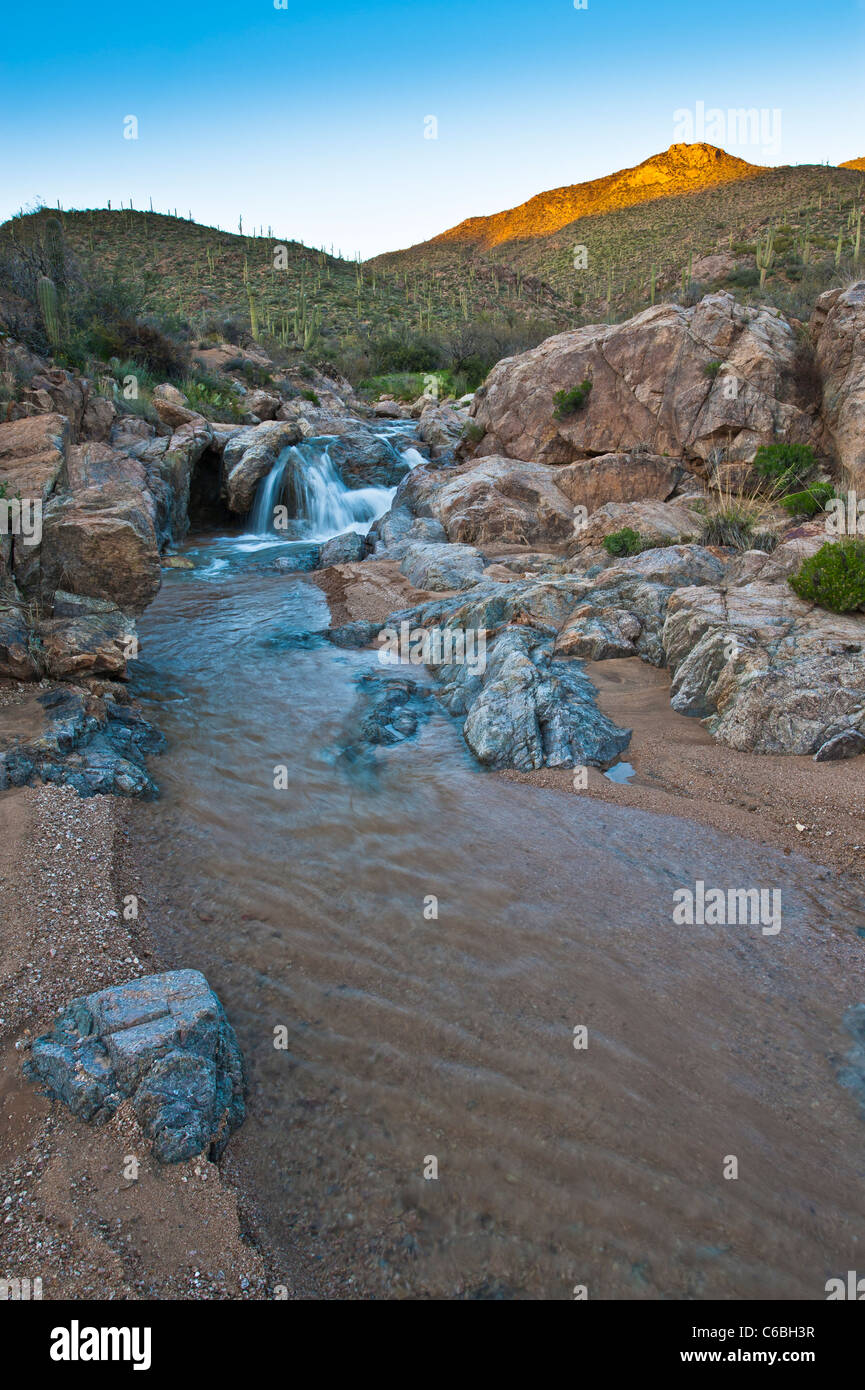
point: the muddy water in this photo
(412, 1039)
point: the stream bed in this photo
(406, 946)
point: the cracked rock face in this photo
(162, 1041)
(652, 385)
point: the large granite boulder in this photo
(99, 534)
(680, 381)
(491, 499)
(618, 478)
(838, 330)
(162, 1041)
(442, 567)
(249, 456)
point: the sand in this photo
(71, 1214)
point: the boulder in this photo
(264, 404)
(767, 672)
(838, 330)
(654, 385)
(527, 710)
(618, 478)
(32, 452)
(249, 456)
(442, 567)
(491, 499)
(389, 410)
(94, 644)
(98, 537)
(366, 459)
(662, 523)
(162, 1041)
(441, 427)
(343, 550)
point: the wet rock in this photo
(366, 459)
(357, 634)
(164, 1042)
(300, 560)
(389, 410)
(92, 744)
(87, 644)
(527, 710)
(343, 550)
(389, 709)
(249, 455)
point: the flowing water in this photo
(428, 937)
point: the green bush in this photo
(569, 402)
(835, 577)
(787, 464)
(624, 542)
(809, 502)
(311, 396)
(712, 369)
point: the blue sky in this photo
(311, 118)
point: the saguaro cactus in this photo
(49, 307)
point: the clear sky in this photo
(311, 118)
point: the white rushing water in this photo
(325, 507)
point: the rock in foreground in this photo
(164, 1042)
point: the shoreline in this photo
(72, 1213)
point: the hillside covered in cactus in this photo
(803, 222)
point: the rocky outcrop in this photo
(528, 710)
(442, 567)
(680, 381)
(838, 330)
(32, 453)
(92, 743)
(660, 523)
(767, 672)
(163, 1042)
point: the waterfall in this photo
(324, 506)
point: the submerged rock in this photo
(164, 1042)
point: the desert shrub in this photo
(834, 578)
(404, 386)
(149, 346)
(311, 396)
(411, 353)
(809, 502)
(764, 540)
(473, 433)
(789, 465)
(624, 542)
(569, 402)
(730, 524)
(712, 369)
